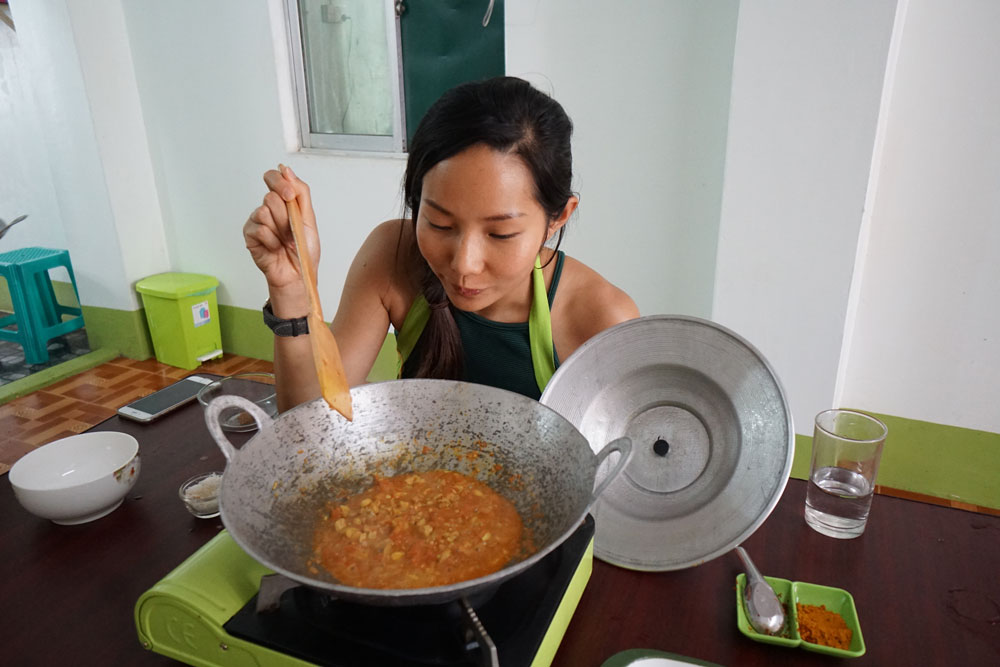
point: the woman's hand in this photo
(268, 235)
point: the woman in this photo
(464, 281)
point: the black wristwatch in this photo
(280, 327)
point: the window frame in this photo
(367, 143)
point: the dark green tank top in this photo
(517, 356)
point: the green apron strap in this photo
(543, 357)
(409, 334)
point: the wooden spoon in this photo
(326, 355)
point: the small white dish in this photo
(77, 479)
(200, 494)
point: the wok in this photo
(276, 486)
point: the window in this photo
(347, 87)
(365, 71)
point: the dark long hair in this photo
(508, 115)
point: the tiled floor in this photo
(14, 367)
(75, 404)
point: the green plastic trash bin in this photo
(183, 317)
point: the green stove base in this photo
(182, 616)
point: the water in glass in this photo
(837, 502)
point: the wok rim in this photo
(412, 596)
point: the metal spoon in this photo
(5, 226)
(764, 610)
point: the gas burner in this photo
(508, 623)
(204, 612)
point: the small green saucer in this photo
(791, 593)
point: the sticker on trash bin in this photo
(201, 314)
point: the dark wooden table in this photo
(926, 579)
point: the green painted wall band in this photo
(124, 331)
(244, 333)
(937, 460)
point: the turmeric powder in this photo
(818, 625)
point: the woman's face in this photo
(480, 229)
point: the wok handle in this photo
(221, 403)
(623, 445)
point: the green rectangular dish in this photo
(791, 593)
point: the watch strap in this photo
(294, 327)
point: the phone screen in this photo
(176, 395)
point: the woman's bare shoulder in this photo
(586, 304)
(387, 260)
(386, 237)
(389, 245)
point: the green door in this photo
(444, 43)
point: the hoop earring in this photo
(555, 251)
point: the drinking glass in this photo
(846, 450)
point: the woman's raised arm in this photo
(362, 318)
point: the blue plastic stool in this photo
(37, 313)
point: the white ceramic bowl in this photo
(77, 479)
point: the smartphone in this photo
(160, 402)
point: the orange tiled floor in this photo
(75, 404)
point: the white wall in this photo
(647, 86)
(210, 94)
(102, 44)
(807, 83)
(82, 166)
(59, 178)
(28, 188)
(925, 343)
(135, 135)
(860, 217)
(652, 166)
(649, 106)
(890, 308)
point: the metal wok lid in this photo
(711, 433)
